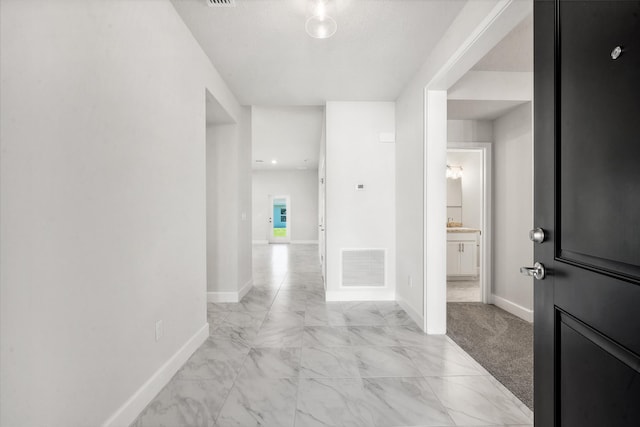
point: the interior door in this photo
(587, 201)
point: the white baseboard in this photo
(293, 242)
(413, 314)
(513, 308)
(230, 296)
(130, 410)
(246, 288)
(368, 294)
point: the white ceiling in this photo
(289, 135)
(514, 53)
(263, 53)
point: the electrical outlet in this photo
(159, 330)
(410, 281)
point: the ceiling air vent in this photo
(221, 3)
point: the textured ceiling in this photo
(263, 53)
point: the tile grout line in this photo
(299, 379)
(439, 400)
(244, 360)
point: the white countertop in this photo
(462, 230)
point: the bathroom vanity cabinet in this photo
(462, 252)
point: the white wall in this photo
(476, 29)
(410, 203)
(359, 219)
(513, 210)
(469, 131)
(471, 161)
(222, 265)
(229, 209)
(244, 207)
(288, 134)
(302, 187)
(410, 138)
(102, 213)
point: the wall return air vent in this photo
(363, 267)
(221, 3)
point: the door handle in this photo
(537, 271)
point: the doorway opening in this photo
(491, 102)
(469, 222)
(279, 219)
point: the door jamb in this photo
(486, 250)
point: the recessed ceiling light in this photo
(274, 161)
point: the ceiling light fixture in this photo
(274, 161)
(320, 24)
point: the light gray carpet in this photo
(501, 342)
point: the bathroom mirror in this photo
(454, 192)
(454, 201)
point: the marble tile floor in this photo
(283, 356)
(464, 291)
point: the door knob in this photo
(537, 271)
(536, 235)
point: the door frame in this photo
(270, 237)
(499, 22)
(484, 148)
(322, 236)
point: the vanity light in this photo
(454, 172)
(320, 24)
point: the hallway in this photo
(285, 357)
